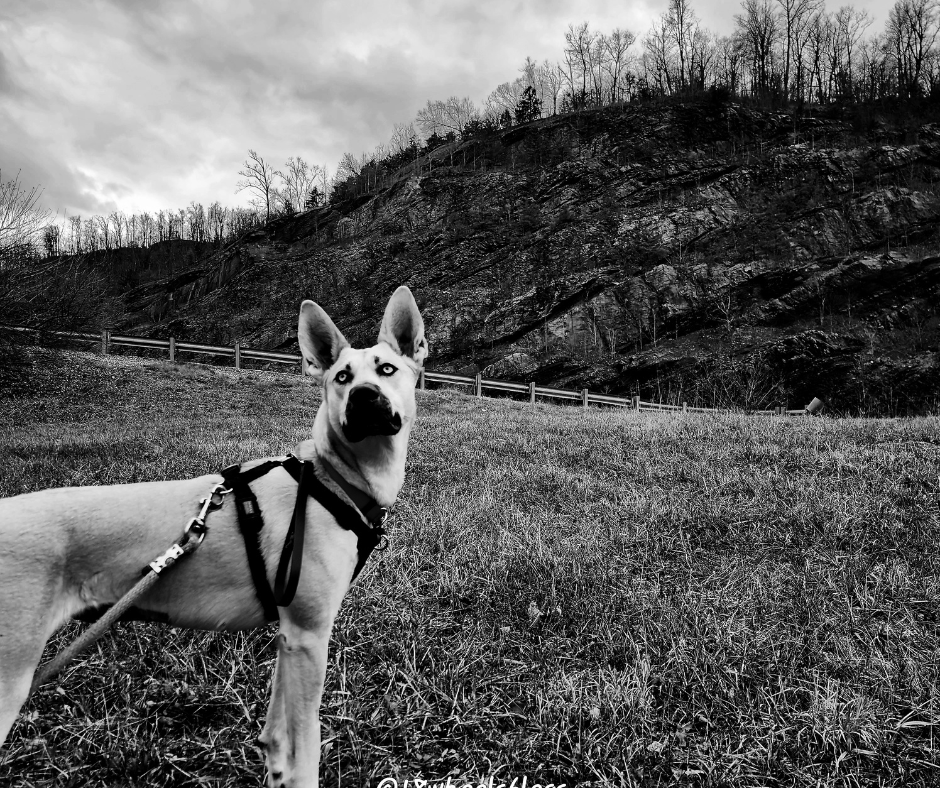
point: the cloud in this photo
(148, 105)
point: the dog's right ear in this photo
(320, 340)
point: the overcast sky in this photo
(147, 104)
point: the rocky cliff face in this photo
(701, 252)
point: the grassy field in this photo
(599, 598)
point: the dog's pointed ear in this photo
(402, 327)
(320, 340)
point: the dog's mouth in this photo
(356, 430)
(369, 413)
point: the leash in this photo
(193, 535)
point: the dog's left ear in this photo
(320, 340)
(402, 327)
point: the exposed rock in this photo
(694, 250)
(515, 366)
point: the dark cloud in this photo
(142, 105)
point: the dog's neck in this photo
(375, 465)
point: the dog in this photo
(72, 551)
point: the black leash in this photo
(365, 518)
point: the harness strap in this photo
(285, 586)
(250, 523)
(348, 517)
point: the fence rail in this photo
(108, 340)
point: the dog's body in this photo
(74, 550)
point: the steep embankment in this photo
(699, 251)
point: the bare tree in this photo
(444, 117)
(616, 48)
(104, 228)
(75, 234)
(659, 57)
(430, 119)
(819, 34)
(796, 15)
(258, 177)
(22, 218)
(703, 58)
(851, 24)
(910, 37)
(504, 98)
(350, 166)
(758, 26)
(298, 178)
(728, 62)
(551, 78)
(116, 222)
(579, 45)
(404, 137)
(681, 24)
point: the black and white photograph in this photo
(470, 394)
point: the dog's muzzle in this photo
(368, 413)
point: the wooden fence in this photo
(477, 383)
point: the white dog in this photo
(74, 551)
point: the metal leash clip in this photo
(382, 542)
(196, 528)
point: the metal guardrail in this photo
(479, 383)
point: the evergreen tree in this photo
(313, 199)
(529, 106)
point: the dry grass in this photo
(598, 598)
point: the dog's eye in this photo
(343, 376)
(388, 369)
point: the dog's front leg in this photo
(291, 733)
(274, 736)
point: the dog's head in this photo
(367, 393)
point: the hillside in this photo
(700, 251)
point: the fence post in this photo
(238, 355)
(172, 349)
(532, 393)
(478, 382)
(813, 406)
(105, 341)
(421, 379)
(685, 406)
(584, 397)
(636, 402)
(303, 366)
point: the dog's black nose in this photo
(365, 394)
(368, 412)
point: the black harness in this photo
(365, 519)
